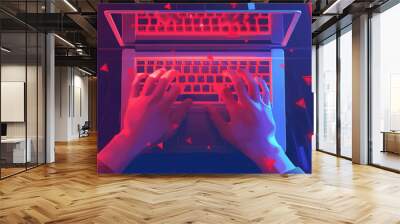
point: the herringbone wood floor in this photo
(70, 191)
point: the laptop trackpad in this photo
(197, 134)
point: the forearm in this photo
(119, 152)
(271, 158)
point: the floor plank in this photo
(70, 191)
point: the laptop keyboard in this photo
(199, 77)
(206, 24)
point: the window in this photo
(385, 89)
(327, 96)
(22, 76)
(346, 95)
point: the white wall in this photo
(34, 125)
(71, 102)
(16, 73)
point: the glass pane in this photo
(31, 97)
(385, 86)
(327, 96)
(13, 86)
(346, 94)
(41, 98)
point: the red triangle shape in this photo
(104, 68)
(301, 103)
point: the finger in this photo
(137, 82)
(264, 88)
(218, 120)
(228, 98)
(151, 82)
(254, 92)
(170, 96)
(163, 83)
(240, 88)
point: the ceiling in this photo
(75, 21)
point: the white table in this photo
(18, 149)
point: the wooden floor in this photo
(70, 191)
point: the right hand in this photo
(251, 125)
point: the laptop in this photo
(201, 41)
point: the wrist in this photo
(120, 151)
(272, 158)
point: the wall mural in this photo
(204, 88)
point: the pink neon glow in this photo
(204, 24)
(104, 68)
(160, 145)
(307, 79)
(310, 135)
(301, 103)
(189, 140)
(167, 6)
(203, 74)
(269, 164)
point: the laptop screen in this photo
(136, 26)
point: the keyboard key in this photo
(210, 79)
(215, 62)
(196, 88)
(263, 21)
(143, 21)
(199, 97)
(219, 78)
(150, 69)
(200, 78)
(263, 69)
(187, 88)
(186, 69)
(182, 78)
(206, 88)
(140, 69)
(191, 78)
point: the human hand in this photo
(149, 118)
(251, 125)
